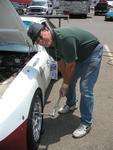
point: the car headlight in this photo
(44, 9)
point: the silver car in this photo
(40, 7)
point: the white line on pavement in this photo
(109, 53)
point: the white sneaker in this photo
(81, 131)
(66, 109)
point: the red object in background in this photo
(25, 2)
(103, 1)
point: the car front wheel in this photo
(35, 122)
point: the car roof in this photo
(33, 19)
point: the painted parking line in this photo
(109, 54)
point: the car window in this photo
(27, 24)
(49, 5)
(39, 3)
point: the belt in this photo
(99, 45)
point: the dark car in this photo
(109, 15)
(19, 8)
(101, 8)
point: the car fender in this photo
(16, 101)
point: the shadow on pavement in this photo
(56, 128)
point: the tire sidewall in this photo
(32, 144)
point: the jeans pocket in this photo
(96, 58)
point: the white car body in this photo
(17, 91)
(110, 3)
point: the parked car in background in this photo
(19, 8)
(40, 7)
(101, 8)
(22, 5)
(110, 3)
(22, 2)
(109, 15)
(24, 80)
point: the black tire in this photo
(35, 122)
(95, 13)
(106, 19)
(84, 16)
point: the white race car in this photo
(24, 79)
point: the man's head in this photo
(40, 34)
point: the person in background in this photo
(78, 54)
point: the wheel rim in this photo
(37, 120)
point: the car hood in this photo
(13, 35)
(35, 6)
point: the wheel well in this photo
(39, 91)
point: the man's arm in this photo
(61, 66)
(66, 70)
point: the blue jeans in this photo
(87, 71)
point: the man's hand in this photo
(66, 70)
(63, 90)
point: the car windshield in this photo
(39, 3)
(14, 47)
(13, 40)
